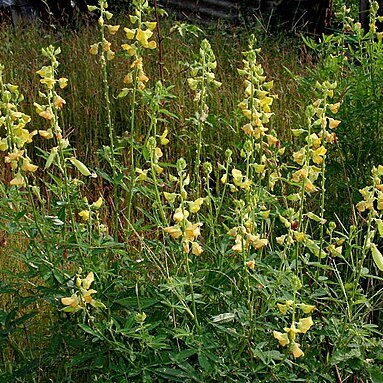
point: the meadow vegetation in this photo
(186, 205)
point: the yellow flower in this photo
(131, 50)
(304, 324)
(282, 308)
(318, 155)
(282, 338)
(48, 81)
(113, 29)
(256, 242)
(63, 82)
(47, 134)
(335, 107)
(333, 124)
(151, 25)
(110, 55)
(28, 167)
(84, 214)
(93, 50)
(174, 231)
(89, 279)
(130, 33)
(307, 309)
(192, 231)
(195, 206)
(87, 296)
(180, 214)
(295, 349)
(59, 102)
(71, 301)
(196, 249)
(18, 180)
(96, 205)
(299, 156)
(163, 140)
(250, 264)
(152, 44)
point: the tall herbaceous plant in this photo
(145, 269)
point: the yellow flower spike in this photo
(196, 249)
(89, 279)
(93, 50)
(259, 169)
(195, 206)
(84, 214)
(305, 324)
(71, 301)
(174, 231)
(142, 77)
(130, 33)
(296, 351)
(63, 82)
(282, 338)
(307, 309)
(59, 102)
(113, 29)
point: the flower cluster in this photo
(202, 75)
(245, 234)
(104, 44)
(288, 337)
(311, 156)
(82, 295)
(263, 145)
(139, 38)
(16, 135)
(184, 229)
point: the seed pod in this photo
(80, 167)
(377, 256)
